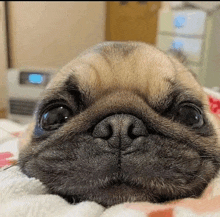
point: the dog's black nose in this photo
(120, 130)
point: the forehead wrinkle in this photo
(146, 69)
(110, 65)
(157, 69)
(126, 72)
(103, 73)
(84, 73)
(117, 57)
(187, 80)
(104, 55)
(95, 76)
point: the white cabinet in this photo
(191, 47)
(187, 22)
(196, 34)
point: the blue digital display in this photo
(35, 78)
(179, 21)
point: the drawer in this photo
(190, 47)
(165, 23)
(186, 22)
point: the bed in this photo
(22, 196)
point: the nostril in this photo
(108, 132)
(136, 130)
(103, 130)
(131, 132)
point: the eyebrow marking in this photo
(168, 102)
(111, 48)
(124, 48)
(177, 96)
(73, 89)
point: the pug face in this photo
(123, 122)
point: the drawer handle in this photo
(179, 22)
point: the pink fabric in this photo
(4, 159)
(204, 205)
(214, 106)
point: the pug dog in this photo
(123, 122)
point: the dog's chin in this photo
(122, 194)
(111, 195)
(117, 192)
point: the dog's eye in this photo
(190, 115)
(54, 117)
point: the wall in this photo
(50, 34)
(3, 61)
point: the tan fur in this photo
(144, 69)
(98, 154)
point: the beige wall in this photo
(50, 34)
(3, 58)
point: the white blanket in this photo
(21, 196)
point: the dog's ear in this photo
(178, 54)
(181, 57)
